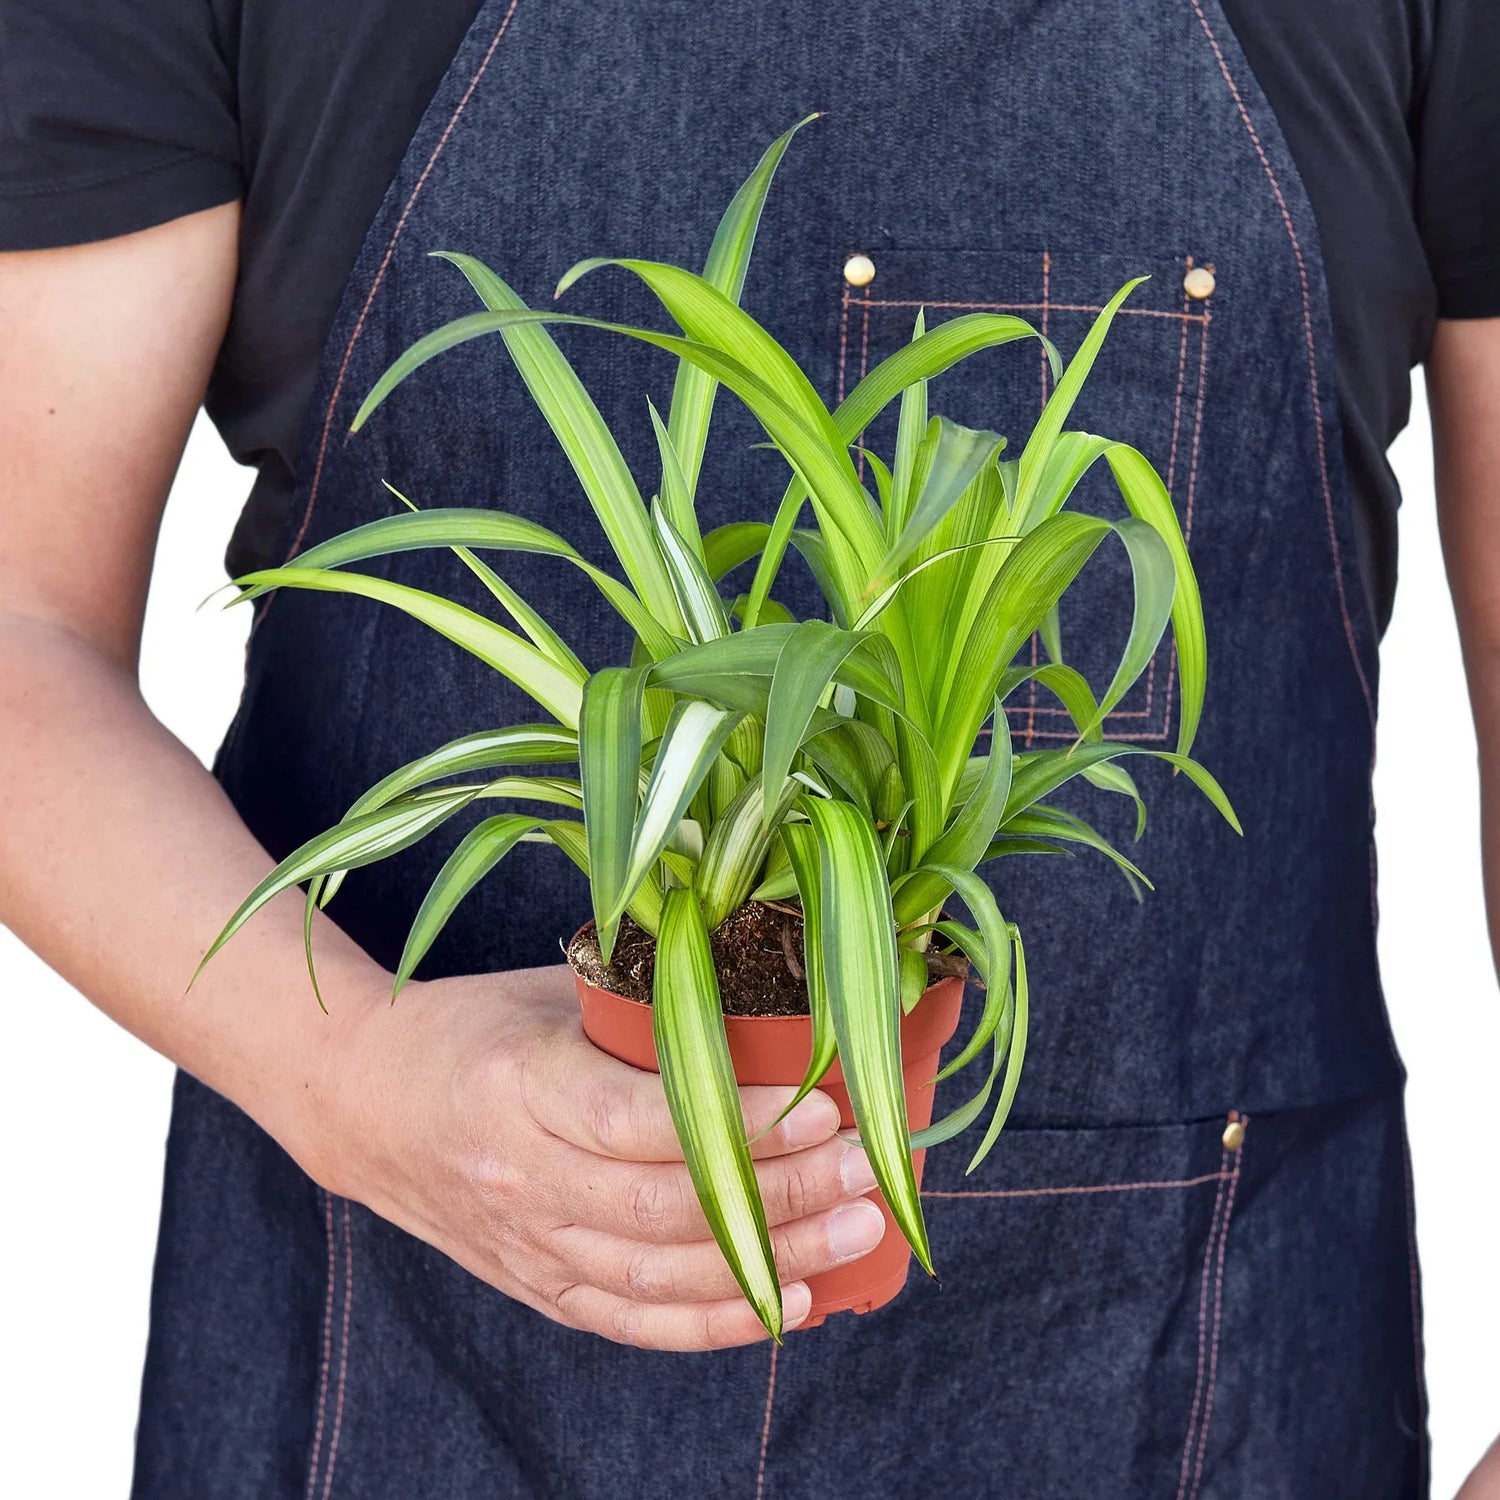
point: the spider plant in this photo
(741, 755)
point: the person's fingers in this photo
(644, 1272)
(656, 1201)
(601, 1105)
(681, 1326)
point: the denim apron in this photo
(1188, 1269)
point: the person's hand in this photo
(476, 1115)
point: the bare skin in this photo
(474, 1113)
(492, 1130)
(1463, 373)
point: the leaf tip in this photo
(577, 272)
(606, 932)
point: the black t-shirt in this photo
(115, 117)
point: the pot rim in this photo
(799, 1016)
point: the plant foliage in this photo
(745, 755)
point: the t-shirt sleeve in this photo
(114, 116)
(1458, 158)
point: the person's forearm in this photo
(1485, 695)
(1463, 382)
(120, 860)
(475, 1114)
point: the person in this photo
(447, 1248)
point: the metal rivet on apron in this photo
(1198, 283)
(859, 270)
(1234, 1133)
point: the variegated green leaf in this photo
(1054, 823)
(963, 842)
(694, 737)
(808, 665)
(1147, 498)
(929, 355)
(1044, 772)
(1038, 449)
(479, 530)
(1066, 684)
(524, 744)
(347, 846)
(804, 866)
(913, 978)
(1015, 1057)
(480, 850)
(736, 850)
(537, 630)
(696, 595)
(950, 462)
(698, 1078)
(536, 674)
(1151, 569)
(676, 492)
(993, 961)
(1031, 580)
(860, 967)
(585, 439)
(609, 757)
(911, 428)
(728, 260)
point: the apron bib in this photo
(1135, 1300)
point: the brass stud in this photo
(1199, 283)
(859, 270)
(1234, 1133)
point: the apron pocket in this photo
(1146, 389)
(1070, 1346)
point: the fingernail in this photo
(855, 1229)
(796, 1303)
(813, 1121)
(856, 1173)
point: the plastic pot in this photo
(776, 1050)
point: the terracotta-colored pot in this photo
(776, 1050)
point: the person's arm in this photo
(1463, 383)
(473, 1113)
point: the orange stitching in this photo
(1046, 298)
(1024, 716)
(765, 1430)
(1097, 1187)
(843, 344)
(1069, 735)
(338, 1407)
(1208, 1255)
(1051, 710)
(1074, 307)
(317, 1447)
(1031, 707)
(338, 385)
(1177, 404)
(1312, 358)
(864, 369)
(1192, 481)
(1032, 710)
(1213, 1351)
(1192, 492)
(1031, 691)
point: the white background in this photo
(83, 1107)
